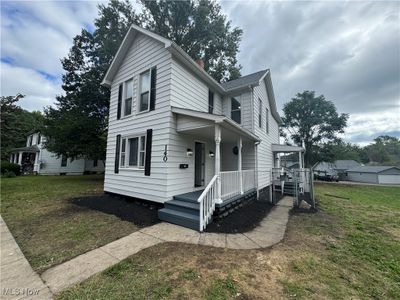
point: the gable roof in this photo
(346, 164)
(244, 81)
(372, 169)
(185, 59)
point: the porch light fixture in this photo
(211, 154)
(189, 152)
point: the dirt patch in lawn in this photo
(139, 213)
(243, 219)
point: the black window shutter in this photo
(119, 102)
(117, 150)
(147, 163)
(153, 88)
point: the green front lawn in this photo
(349, 249)
(48, 227)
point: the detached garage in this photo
(375, 174)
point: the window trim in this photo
(126, 152)
(239, 110)
(149, 70)
(124, 98)
(259, 113)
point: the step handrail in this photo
(207, 202)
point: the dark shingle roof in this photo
(371, 169)
(244, 80)
(346, 164)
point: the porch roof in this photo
(33, 148)
(207, 120)
(286, 148)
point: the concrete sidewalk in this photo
(270, 232)
(18, 280)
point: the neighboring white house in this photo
(375, 174)
(34, 158)
(176, 133)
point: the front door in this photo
(199, 164)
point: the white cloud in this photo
(39, 91)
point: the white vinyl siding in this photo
(144, 54)
(264, 151)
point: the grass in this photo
(349, 249)
(48, 227)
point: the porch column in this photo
(240, 144)
(20, 158)
(256, 168)
(300, 161)
(218, 161)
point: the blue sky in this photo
(348, 51)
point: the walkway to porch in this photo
(269, 232)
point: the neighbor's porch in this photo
(27, 158)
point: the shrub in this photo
(8, 174)
(7, 167)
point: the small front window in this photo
(235, 110)
(134, 149)
(144, 91)
(128, 97)
(64, 160)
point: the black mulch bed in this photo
(140, 213)
(243, 219)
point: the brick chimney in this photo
(200, 62)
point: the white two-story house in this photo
(35, 158)
(178, 137)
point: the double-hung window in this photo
(235, 110)
(133, 151)
(128, 97)
(64, 160)
(210, 102)
(267, 120)
(144, 102)
(259, 112)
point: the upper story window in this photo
(235, 110)
(144, 104)
(133, 151)
(64, 160)
(128, 97)
(39, 138)
(30, 140)
(267, 120)
(210, 102)
(259, 112)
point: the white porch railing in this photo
(234, 183)
(207, 202)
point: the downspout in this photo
(252, 107)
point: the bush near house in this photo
(8, 168)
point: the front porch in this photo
(27, 158)
(225, 168)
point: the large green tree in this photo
(312, 120)
(77, 125)
(384, 150)
(199, 28)
(336, 150)
(16, 123)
